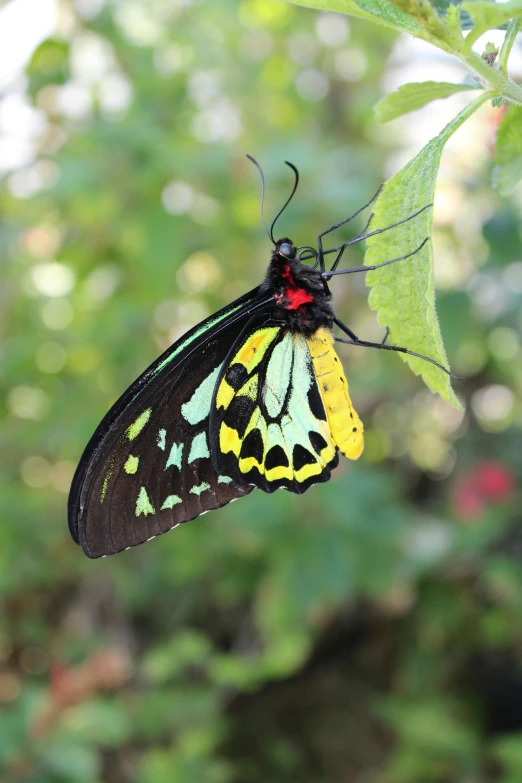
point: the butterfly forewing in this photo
(148, 466)
(268, 422)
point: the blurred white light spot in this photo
(177, 197)
(429, 542)
(28, 402)
(137, 23)
(302, 48)
(192, 311)
(74, 101)
(35, 472)
(504, 343)
(18, 117)
(50, 357)
(454, 264)
(204, 86)
(429, 450)
(89, 9)
(332, 29)
(256, 45)
(48, 171)
(57, 314)
(204, 209)
(53, 279)
(489, 297)
(15, 151)
(91, 58)
(165, 315)
(448, 199)
(24, 183)
(493, 403)
(169, 60)
(513, 277)
(115, 94)
(312, 85)
(199, 272)
(101, 283)
(220, 122)
(351, 64)
(61, 474)
(448, 419)
(23, 25)
(471, 357)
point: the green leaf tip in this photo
(403, 294)
(414, 96)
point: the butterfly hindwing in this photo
(268, 422)
(148, 466)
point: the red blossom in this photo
(495, 481)
(489, 482)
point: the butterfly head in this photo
(285, 250)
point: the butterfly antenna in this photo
(287, 202)
(258, 167)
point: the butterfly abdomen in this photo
(345, 425)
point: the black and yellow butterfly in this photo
(254, 396)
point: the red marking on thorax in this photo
(296, 296)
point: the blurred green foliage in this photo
(367, 631)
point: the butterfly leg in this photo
(324, 272)
(360, 237)
(342, 223)
(328, 274)
(341, 251)
(387, 347)
(320, 261)
(346, 329)
(386, 334)
(348, 219)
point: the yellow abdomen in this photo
(345, 425)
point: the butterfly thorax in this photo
(297, 291)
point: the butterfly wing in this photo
(147, 467)
(268, 423)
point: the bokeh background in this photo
(368, 632)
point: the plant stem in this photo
(498, 81)
(509, 40)
(471, 108)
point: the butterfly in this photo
(254, 396)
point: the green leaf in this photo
(507, 45)
(379, 11)
(49, 64)
(404, 293)
(488, 15)
(70, 761)
(452, 14)
(507, 172)
(96, 722)
(508, 751)
(413, 96)
(184, 650)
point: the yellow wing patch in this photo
(345, 425)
